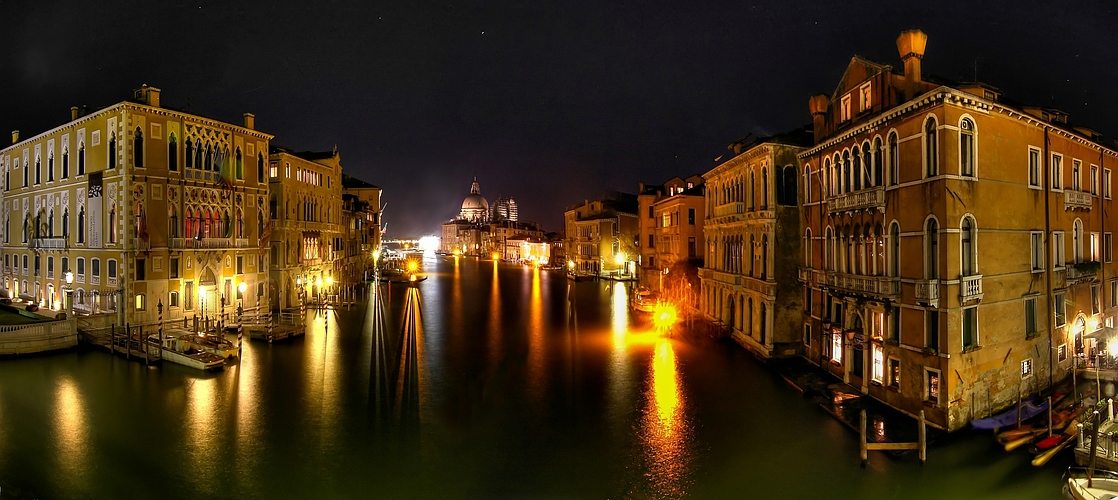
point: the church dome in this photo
(475, 202)
(475, 207)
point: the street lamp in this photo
(202, 302)
(69, 277)
(241, 288)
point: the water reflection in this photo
(410, 388)
(496, 325)
(665, 432)
(536, 361)
(71, 423)
(203, 444)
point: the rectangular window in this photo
(81, 266)
(1077, 175)
(112, 268)
(95, 264)
(865, 93)
(1105, 183)
(895, 373)
(650, 215)
(1096, 299)
(878, 364)
(1057, 250)
(807, 334)
(931, 385)
(1027, 368)
(1113, 293)
(1031, 323)
(651, 241)
(691, 248)
(665, 219)
(894, 325)
(1060, 308)
(140, 302)
(1057, 171)
(1036, 249)
(1108, 247)
(1062, 353)
(1094, 180)
(807, 300)
(173, 270)
(1093, 248)
(970, 328)
(691, 216)
(836, 348)
(844, 108)
(174, 300)
(240, 264)
(188, 296)
(1034, 167)
(141, 269)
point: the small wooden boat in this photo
(1016, 438)
(644, 301)
(1062, 441)
(180, 351)
(1103, 484)
(1028, 409)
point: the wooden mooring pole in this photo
(921, 445)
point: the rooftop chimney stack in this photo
(74, 113)
(153, 96)
(817, 104)
(15, 136)
(147, 95)
(911, 46)
(250, 121)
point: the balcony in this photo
(736, 208)
(927, 292)
(140, 244)
(47, 244)
(970, 288)
(885, 287)
(1074, 200)
(1081, 272)
(200, 243)
(865, 199)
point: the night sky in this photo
(548, 102)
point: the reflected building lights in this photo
(72, 430)
(665, 432)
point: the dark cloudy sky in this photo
(549, 102)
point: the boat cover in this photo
(1009, 417)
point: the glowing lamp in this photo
(69, 277)
(663, 316)
(620, 258)
(412, 266)
(330, 280)
(319, 282)
(242, 287)
(496, 256)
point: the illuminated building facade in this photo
(671, 226)
(361, 209)
(146, 205)
(602, 237)
(505, 209)
(957, 246)
(305, 208)
(752, 237)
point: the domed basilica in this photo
(475, 208)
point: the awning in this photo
(1104, 332)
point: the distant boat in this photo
(181, 351)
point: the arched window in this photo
(878, 178)
(206, 224)
(764, 256)
(39, 225)
(931, 148)
(894, 250)
(764, 188)
(807, 248)
(847, 173)
(894, 160)
(199, 155)
(65, 163)
(50, 167)
(50, 224)
(173, 153)
(829, 252)
(966, 148)
(1076, 241)
(931, 249)
(828, 178)
(260, 224)
(260, 168)
(967, 247)
(748, 326)
(761, 325)
(81, 225)
(752, 255)
(112, 225)
(38, 170)
(752, 190)
(240, 166)
(856, 167)
(189, 163)
(138, 148)
(172, 221)
(807, 184)
(240, 224)
(112, 151)
(66, 223)
(879, 260)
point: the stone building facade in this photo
(602, 237)
(752, 242)
(957, 246)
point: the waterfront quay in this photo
(486, 380)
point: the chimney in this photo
(153, 97)
(74, 113)
(911, 45)
(15, 136)
(817, 104)
(250, 123)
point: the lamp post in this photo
(202, 302)
(69, 277)
(240, 314)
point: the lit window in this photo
(844, 108)
(865, 93)
(931, 386)
(895, 373)
(1027, 368)
(836, 348)
(878, 364)
(1062, 353)
(139, 301)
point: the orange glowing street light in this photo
(663, 316)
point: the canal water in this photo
(484, 381)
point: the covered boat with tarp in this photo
(1029, 409)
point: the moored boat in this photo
(1028, 409)
(644, 301)
(1098, 485)
(177, 350)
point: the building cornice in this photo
(952, 96)
(759, 150)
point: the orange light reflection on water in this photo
(72, 429)
(665, 432)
